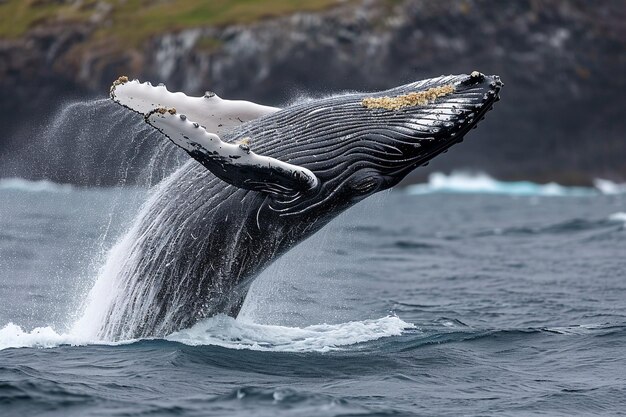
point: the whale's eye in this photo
(365, 187)
(366, 183)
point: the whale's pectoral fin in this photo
(234, 163)
(216, 114)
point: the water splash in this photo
(13, 336)
(97, 305)
(230, 333)
(236, 334)
(93, 142)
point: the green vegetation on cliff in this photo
(133, 21)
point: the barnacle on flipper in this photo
(419, 98)
(163, 110)
(120, 80)
(244, 141)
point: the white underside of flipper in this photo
(234, 163)
(213, 113)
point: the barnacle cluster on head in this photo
(418, 98)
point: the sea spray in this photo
(97, 308)
(93, 142)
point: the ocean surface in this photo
(461, 297)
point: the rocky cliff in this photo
(563, 64)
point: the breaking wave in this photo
(20, 184)
(230, 333)
(227, 332)
(480, 183)
(618, 217)
(609, 187)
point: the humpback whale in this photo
(262, 179)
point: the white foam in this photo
(229, 333)
(13, 336)
(618, 217)
(236, 334)
(20, 184)
(464, 182)
(609, 187)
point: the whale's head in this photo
(359, 144)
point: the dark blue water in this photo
(431, 304)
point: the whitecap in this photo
(236, 334)
(230, 333)
(618, 217)
(13, 336)
(20, 184)
(609, 187)
(481, 183)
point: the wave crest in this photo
(227, 332)
(618, 217)
(465, 182)
(230, 333)
(20, 184)
(13, 336)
